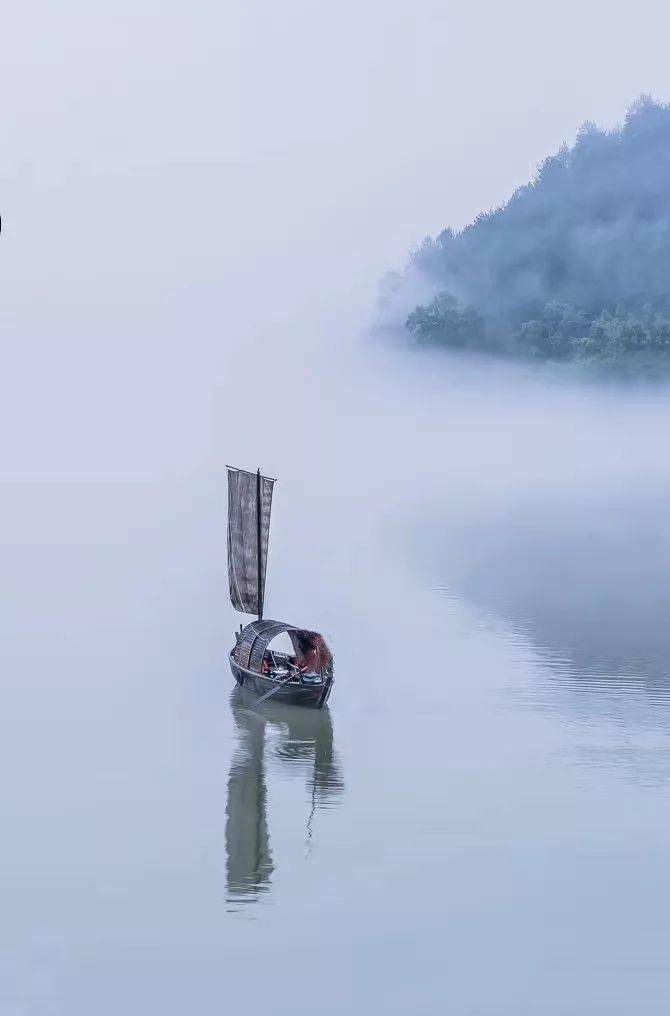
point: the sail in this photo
(248, 527)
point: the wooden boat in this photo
(303, 677)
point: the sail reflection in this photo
(275, 735)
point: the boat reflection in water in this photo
(281, 736)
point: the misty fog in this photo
(197, 209)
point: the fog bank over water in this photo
(470, 512)
(174, 182)
(540, 500)
(197, 206)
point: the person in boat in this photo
(312, 655)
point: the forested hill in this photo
(576, 265)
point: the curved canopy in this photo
(253, 641)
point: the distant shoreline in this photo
(575, 267)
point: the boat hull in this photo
(310, 696)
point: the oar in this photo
(273, 691)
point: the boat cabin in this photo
(310, 662)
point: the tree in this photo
(575, 265)
(444, 322)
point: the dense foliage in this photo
(576, 265)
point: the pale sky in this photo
(175, 170)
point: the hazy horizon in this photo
(173, 183)
(198, 204)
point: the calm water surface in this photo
(479, 822)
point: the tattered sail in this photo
(248, 533)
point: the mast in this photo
(258, 545)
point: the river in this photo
(476, 825)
